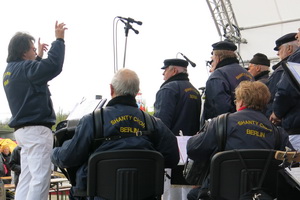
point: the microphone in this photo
(128, 26)
(192, 63)
(130, 20)
(201, 88)
(208, 63)
(135, 31)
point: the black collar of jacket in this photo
(227, 61)
(278, 64)
(125, 100)
(257, 77)
(177, 77)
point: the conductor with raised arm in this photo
(25, 81)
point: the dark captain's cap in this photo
(260, 59)
(175, 62)
(284, 39)
(224, 45)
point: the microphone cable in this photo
(115, 43)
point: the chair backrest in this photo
(126, 175)
(229, 179)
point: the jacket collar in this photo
(278, 64)
(177, 77)
(258, 76)
(125, 100)
(227, 61)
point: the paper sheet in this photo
(294, 173)
(83, 108)
(182, 141)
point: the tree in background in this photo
(60, 116)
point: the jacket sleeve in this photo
(166, 143)
(203, 146)
(42, 71)
(286, 97)
(217, 98)
(76, 151)
(14, 162)
(165, 105)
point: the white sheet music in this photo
(83, 108)
(294, 173)
(295, 69)
(182, 141)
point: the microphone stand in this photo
(127, 27)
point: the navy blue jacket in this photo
(286, 103)
(246, 129)
(272, 84)
(178, 105)
(26, 87)
(120, 112)
(220, 86)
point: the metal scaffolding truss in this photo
(225, 20)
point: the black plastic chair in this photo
(126, 175)
(229, 179)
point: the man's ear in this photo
(175, 71)
(112, 90)
(258, 68)
(290, 49)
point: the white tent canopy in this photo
(261, 23)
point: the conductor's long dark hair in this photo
(18, 45)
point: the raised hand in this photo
(60, 30)
(42, 47)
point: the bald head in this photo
(125, 82)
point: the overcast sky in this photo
(169, 27)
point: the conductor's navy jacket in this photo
(26, 87)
